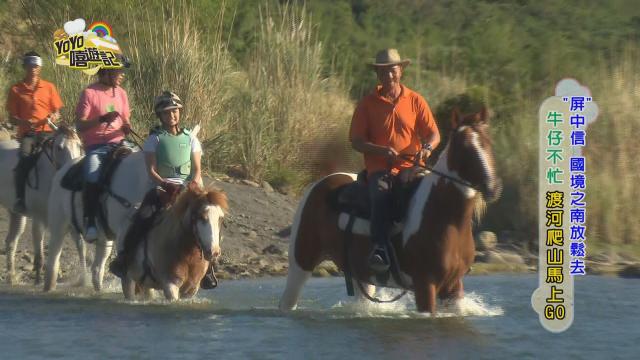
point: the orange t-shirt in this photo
(400, 125)
(33, 104)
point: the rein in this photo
(375, 299)
(416, 163)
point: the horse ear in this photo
(484, 115)
(455, 118)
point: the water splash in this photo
(471, 305)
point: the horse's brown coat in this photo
(173, 248)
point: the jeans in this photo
(93, 163)
(380, 186)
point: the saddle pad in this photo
(74, 178)
(361, 226)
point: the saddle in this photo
(353, 203)
(29, 162)
(74, 178)
(154, 204)
(353, 198)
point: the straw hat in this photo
(388, 57)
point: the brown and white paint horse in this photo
(180, 246)
(435, 247)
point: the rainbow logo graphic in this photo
(101, 28)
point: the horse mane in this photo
(67, 131)
(479, 208)
(195, 196)
(192, 198)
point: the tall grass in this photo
(286, 111)
(613, 208)
(176, 57)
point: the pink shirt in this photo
(95, 102)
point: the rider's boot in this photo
(90, 199)
(379, 259)
(20, 177)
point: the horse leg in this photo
(459, 290)
(296, 278)
(189, 291)
(82, 258)
(171, 291)
(38, 229)
(147, 294)
(57, 230)
(128, 288)
(103, 249)
(17, 223)
(425, 292)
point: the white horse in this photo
(130, 182)
(64, 146)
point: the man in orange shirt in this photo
(31, 103)
(388, 125)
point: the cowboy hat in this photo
(388, 57)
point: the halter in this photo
(194, 229)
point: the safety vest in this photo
(173, 154)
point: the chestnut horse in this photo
(434, 245)
(179, 247)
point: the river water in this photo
(240, 320)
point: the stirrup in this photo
(379, 260)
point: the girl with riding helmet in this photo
(173, 158)
(172, 153)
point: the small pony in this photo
(179, 247)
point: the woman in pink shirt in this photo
(102, 118)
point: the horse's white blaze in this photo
(209, 231)
(482, 155)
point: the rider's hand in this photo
(126, 129)
(390, 153)
(197, 180)
(425, 154)
(109, 117)
(22, 122)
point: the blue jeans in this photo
(93, 163)
(380, 184)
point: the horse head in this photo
(203, 212)
(471, 154)
(66, 145)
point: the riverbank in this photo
(255, 242)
